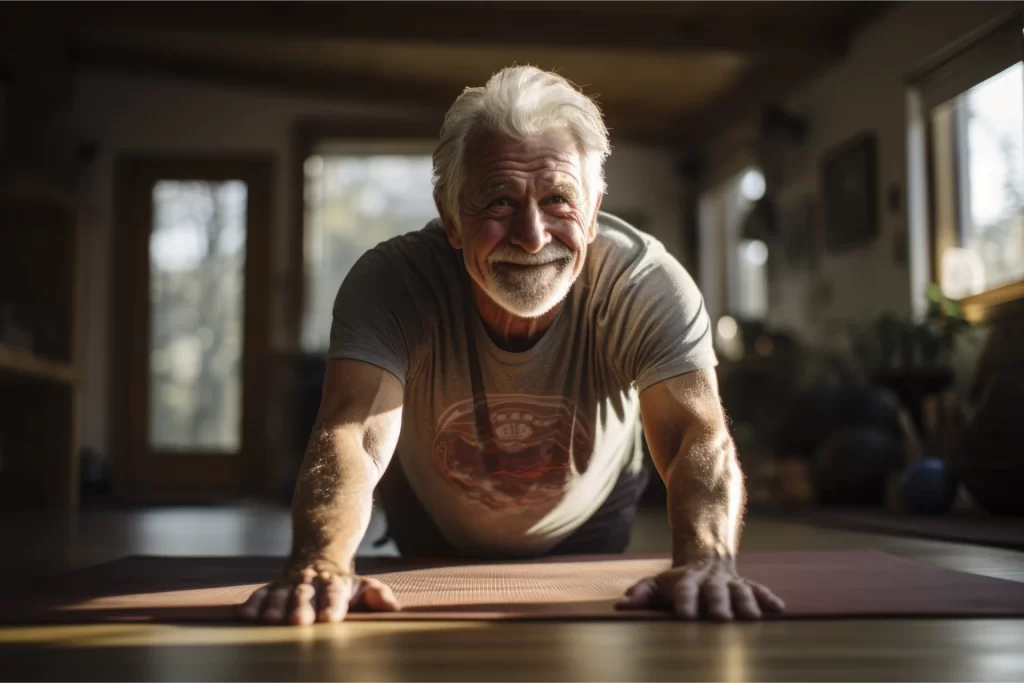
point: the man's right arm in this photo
(354, 437)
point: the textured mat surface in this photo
(814, 584)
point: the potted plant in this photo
(914, 359)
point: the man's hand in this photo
(708, 588)
(354, 436)
(307, 595)
(696, 458)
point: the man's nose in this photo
(528, 232)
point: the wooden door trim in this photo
(176, 476)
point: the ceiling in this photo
(662, 71)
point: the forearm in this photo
(705, 497)
(333, 499)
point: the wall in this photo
(866, 91)
(643, 187)
(125, 114)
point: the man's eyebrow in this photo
(568, 190)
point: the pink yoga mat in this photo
(816, 584)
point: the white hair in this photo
(519, 102)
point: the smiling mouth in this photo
(522, 267)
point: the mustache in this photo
(554, 251)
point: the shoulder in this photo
(623, 255)
(647, 305)
(411, 273)
(391, 299)
(421, 261)
(414, 247)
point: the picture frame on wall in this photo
(849, 189)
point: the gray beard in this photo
(524, 290)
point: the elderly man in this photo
(509, 352)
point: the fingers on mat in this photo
(334, 598)
(303, 605)
(744, 604)
(769, 602)
(253, 607)
(277, 603)
(378, 596)
(717, 600)
(641, 594)
(685, 598)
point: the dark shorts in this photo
(414, 532)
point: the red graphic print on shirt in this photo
(539, 445)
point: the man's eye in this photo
(501, 201)
(557, 199)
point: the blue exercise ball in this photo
(928, 487)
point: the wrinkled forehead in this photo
(551, 157)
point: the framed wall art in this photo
(849, 189)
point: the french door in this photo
(190, 327)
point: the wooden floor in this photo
(961, 650)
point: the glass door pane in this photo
(196, 301)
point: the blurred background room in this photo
(183, 186)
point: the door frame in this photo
(137, 473)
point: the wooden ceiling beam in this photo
(758, 87)
(552, 25)
(764, 83)
(353, 86)
(424, 102)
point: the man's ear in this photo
(592, 230)
(452, 230)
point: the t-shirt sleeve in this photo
(660, 328)
(374, 318)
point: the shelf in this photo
(29, 364)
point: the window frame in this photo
(966, 64)
(721, 244)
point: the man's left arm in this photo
(693, 452)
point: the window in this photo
(734, 279)
(356, 196)
(196, 302)
(981, 176)
(972, 103)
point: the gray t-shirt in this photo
(511, 454)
